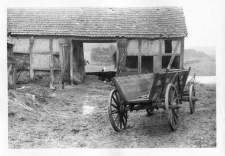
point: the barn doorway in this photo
(146, 64)
(99, 56)
(100, 59)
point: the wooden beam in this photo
(61, 56)
(78, 62)
(30, 51)
(117, 57)
(139, 56)
(71, 61)
(96, 39)
(118, 63)
(182, 54)
(122, 54)
(157, 59)
(52, 79)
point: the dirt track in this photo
(77, 117)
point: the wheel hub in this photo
(122, 109)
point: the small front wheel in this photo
(117, 112)
(192, 98)
(171, 106)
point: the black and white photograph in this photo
(114, 75)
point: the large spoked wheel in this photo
(117, 112)
(171, 106)
(192, 98)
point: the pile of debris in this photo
(25, 100)
(28, 101)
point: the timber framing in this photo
(58, 43)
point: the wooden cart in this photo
(150, 91)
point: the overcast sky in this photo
(202, 16)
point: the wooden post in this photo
(51, 63)
(30, 50)
(122, 54)
(61, 58)
(182, 54)
(139, 56)
(78, 62)
(117, 57)
(71, 61)
(157, 60)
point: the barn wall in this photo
(156, 49)
(41, 45)
(37, 54)
(55, 45)
(21, 45)
(37, 59)
(150, 47)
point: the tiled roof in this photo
(98, 22)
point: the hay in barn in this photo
(103, 55)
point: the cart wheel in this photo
(171, 102)
(192, 98)
(117, 112)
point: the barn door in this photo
(122, 54)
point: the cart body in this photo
(151, 91)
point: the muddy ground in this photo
(77, 117)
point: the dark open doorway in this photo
(175, 64)
(146, 64)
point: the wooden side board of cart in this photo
(150, 91)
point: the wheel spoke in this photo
(125, 115)
(174, 102)
(121, 120)
(174, 117)
(115, 111)
(171, 117)
(118, 122)
(175, 99)
(114, 106)
(116, 117)
(117, 97)
(125, 119)
(171, 96)
(117, 103)
(175, 113)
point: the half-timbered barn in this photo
(51, 39)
